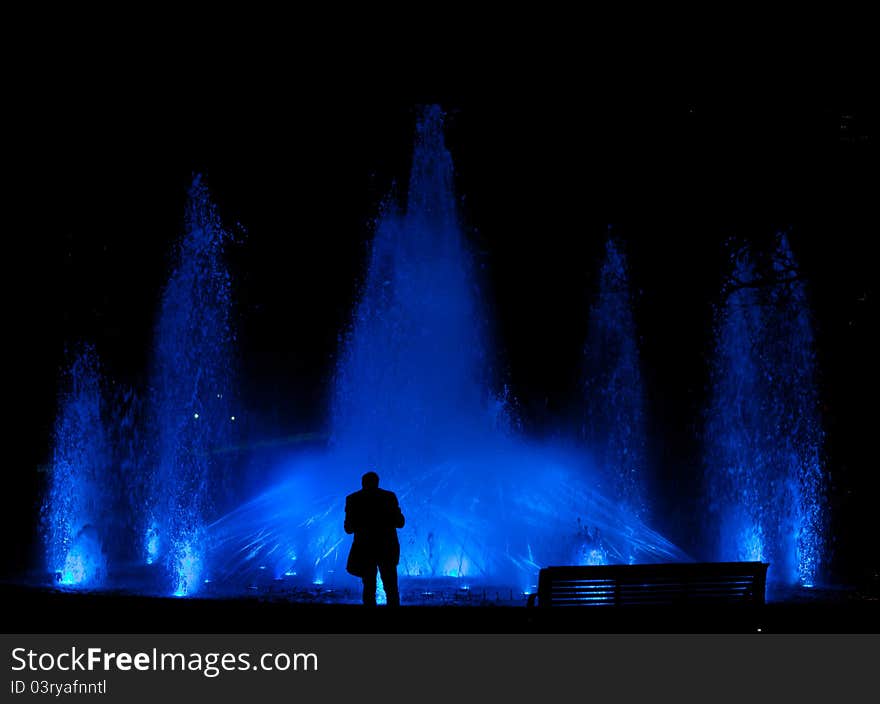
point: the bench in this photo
(667, 584)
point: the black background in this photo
(549, 151)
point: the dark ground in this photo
(31, 610)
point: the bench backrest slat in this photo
(655, 584)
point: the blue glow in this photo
(595, 557)
(151, 543)
(414, 399)
(79, 479)
(85, 563)
(381, 597)
(191, 370)
(765, 478)
(188, 567)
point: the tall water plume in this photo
(763, 438)
(78, 503)
(412, 380)
(614, 423)
(190, 394)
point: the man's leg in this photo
(389, 582)
(369, 580)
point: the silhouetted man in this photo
(374, 516)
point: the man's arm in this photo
(399, 520)
(348, 526)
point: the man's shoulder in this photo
(371, 495)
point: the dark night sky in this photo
(100, 170)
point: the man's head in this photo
(370, 480)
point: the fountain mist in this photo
(413, 401)
(76, 510)
(190, 398)
(614, 426)
(765, 481)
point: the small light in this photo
(232, 418)
(196, 416)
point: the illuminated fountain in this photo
(614, 422)
(76, 510)
(765, 480)
(191, 386)
(413, 400)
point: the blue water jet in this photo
(614, 420)
(413, 374)
(763, 438)
(798, 421)
(413, 400)
(190, 398)
(75, 511)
